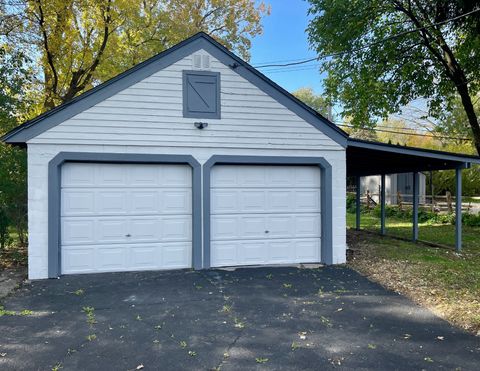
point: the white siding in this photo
(150, 113)
(372, 184)
(147, 118)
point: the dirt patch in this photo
(11, 279)
(438, 279)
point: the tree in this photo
(15, 79)
(385, 53)
(80, 43)
(362, 133)
(455, 124)
(317, 102)
(397, 131)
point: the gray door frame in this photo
(54, 196)
(326, 246)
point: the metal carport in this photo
(372, 158)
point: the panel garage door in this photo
(265, 215)
(125, 217)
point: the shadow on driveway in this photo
(258, 318)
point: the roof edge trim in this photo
(413, 151)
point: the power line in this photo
(282, 60)
(296, 63)
(323, 56)
(386, 127)
(304, 65)
(283, 70)
(405, 133)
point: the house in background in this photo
(394, 183)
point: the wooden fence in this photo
(436, 203)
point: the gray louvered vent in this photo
(206, 62)
(201, 62)
(201, 94)
(197, 61)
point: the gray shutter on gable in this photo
(201, 94)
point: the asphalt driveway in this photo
(258, 318)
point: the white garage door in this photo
(125, 217)
(265, 215)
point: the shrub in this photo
(471, 220)
(4, 222)
(441, 219)
(351, 203)
(393, 212)
(424, 216)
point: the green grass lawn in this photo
(443, 234)
(439, 278)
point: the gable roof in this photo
(30, 129)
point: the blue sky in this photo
(284, 38)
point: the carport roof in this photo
(373, 158)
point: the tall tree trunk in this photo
(432, 38)
(471, 114)
(48, 100)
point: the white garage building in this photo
(194, 159)
(191, 159)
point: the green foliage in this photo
(317, 102)
(13, 189)
(455, 123)
(379, 65)
(424, 216)
(90, 313)
(444, 181)
(442, 219)
(471, 220)
(351, 203)
(4, 235)
(77, 44)
(24, 312)
(14, 81)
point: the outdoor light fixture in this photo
(200, 125)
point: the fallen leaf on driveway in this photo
(139, 367)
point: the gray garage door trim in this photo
(326, 195)
(54, 196)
